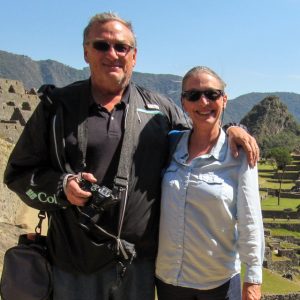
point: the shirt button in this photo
(179, 246)
(112, 118)
(178, 261)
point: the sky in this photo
(254, 45)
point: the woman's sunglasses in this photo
(194, 95)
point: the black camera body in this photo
(102, 197)
(101, 200)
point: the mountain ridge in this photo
(35, 73)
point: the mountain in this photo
(237, 108)
(35, 73)
(272, 125)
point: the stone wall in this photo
(291, 254)
(12, 86)
(10, 131)
(280, 214)
(293, 168)
(293, 296)
(12, 222)
(287, 175)
(284, 193)
(281, 267)
(290, 226)
(16, 107)
(289, 239)
(290, 195)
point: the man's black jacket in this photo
(38, 164)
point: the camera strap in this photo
(125, 163)
(124, 250)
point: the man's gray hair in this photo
(202, 69)
(106, 17)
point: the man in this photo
(80, 134)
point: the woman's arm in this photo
(250, 230)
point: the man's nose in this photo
(112, 52)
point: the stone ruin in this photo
(16, 106)
(282, 260)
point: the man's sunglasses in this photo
(194, 95)
(103, 46)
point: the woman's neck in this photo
(202, 141)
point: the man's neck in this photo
(107, 99)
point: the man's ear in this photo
(85, 54)
(134, 56)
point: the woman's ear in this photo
(224, 101)
(182, 104)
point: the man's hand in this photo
(251, 291)
(74, 193)
(239, 137)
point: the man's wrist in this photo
(233, 124)
(66, 179)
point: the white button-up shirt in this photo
(210, 219)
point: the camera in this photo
(102, 197)
(101, 200)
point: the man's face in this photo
(110, 69)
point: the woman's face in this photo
(204, 112)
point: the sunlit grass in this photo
(284, 232)
(270, 203)
(266, 173)
(272, 183)
(282, 221)
(273, 283)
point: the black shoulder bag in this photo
(27, 273)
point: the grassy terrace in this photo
(266, 180)
(270, 203)
(273, 283)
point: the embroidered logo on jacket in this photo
(42, 197)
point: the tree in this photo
(285, 139)
(282, 158)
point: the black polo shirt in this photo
(105, 133)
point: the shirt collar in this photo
(124, 101)
(218, 151)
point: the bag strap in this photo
(174, 137)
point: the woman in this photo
(210, 212)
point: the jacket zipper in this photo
(55, 143)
